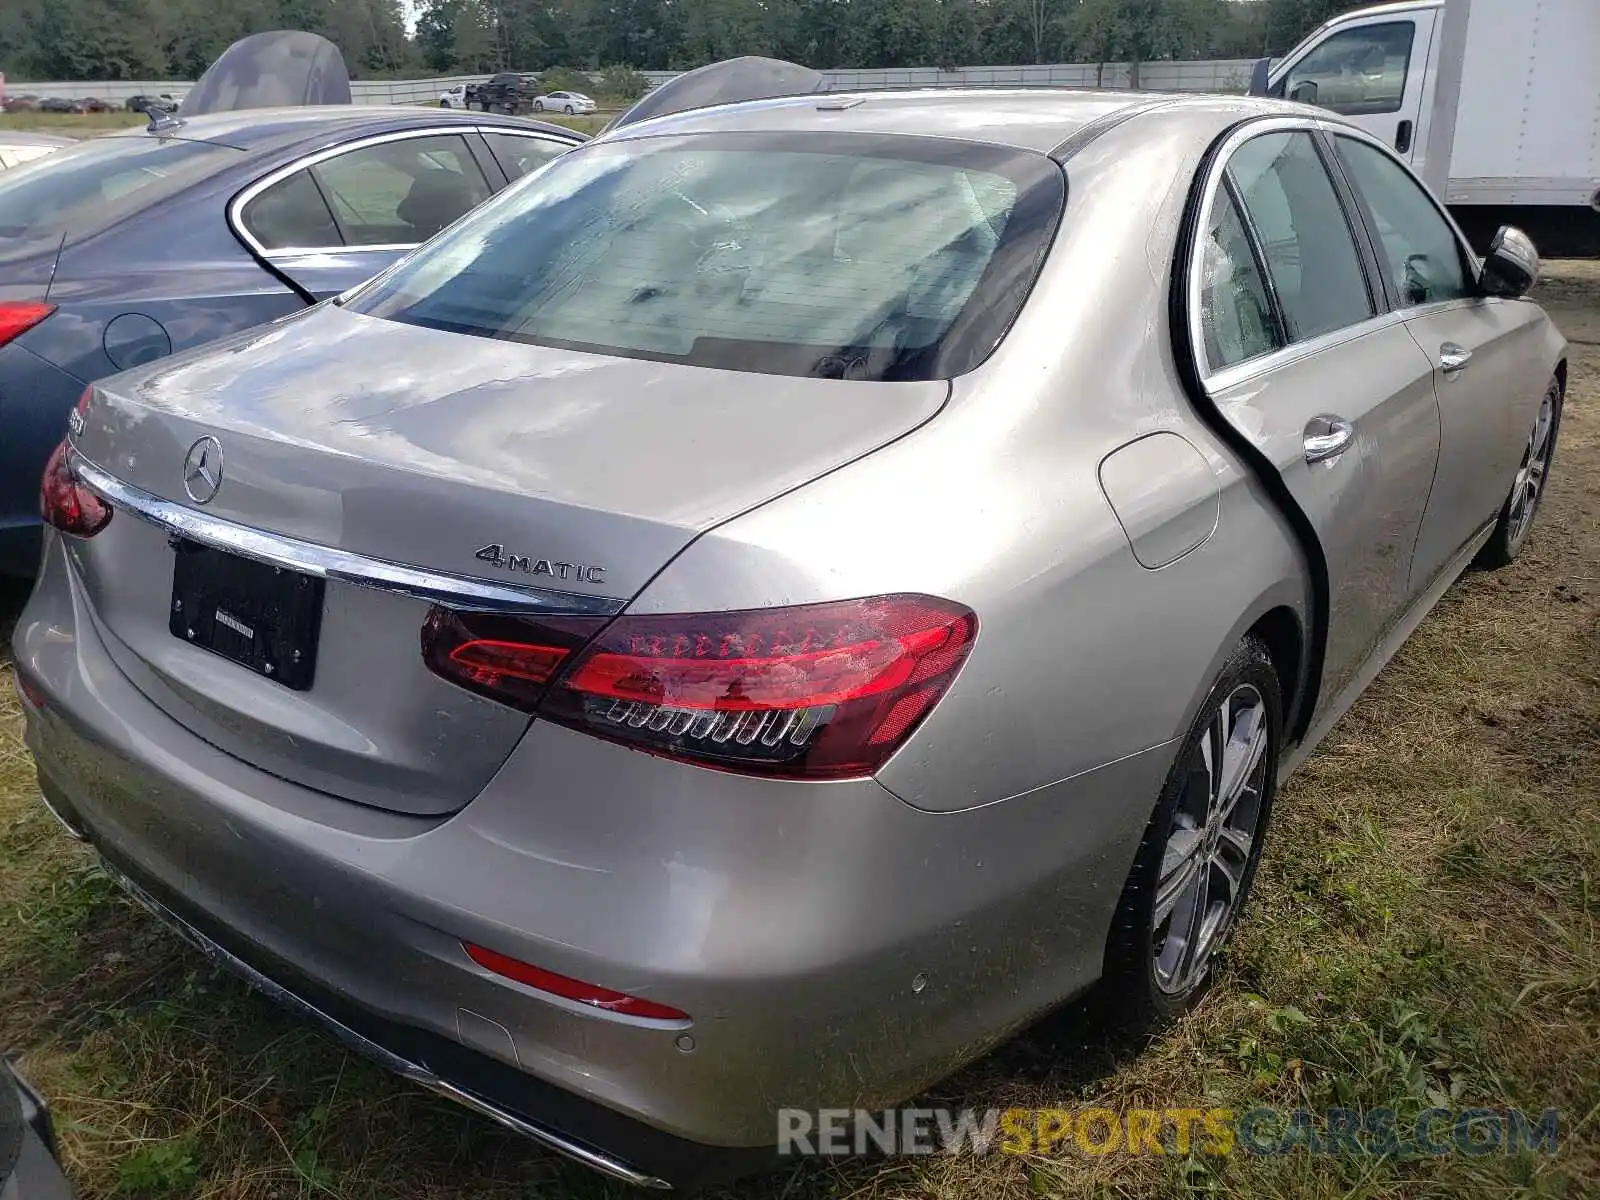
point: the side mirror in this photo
(1305, 92)
(1511, 267)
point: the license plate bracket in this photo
(265, 618)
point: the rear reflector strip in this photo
(571, 989)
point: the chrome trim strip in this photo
(360, 1044)
(344, 566)
(251, 191)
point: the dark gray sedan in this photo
(132, 246)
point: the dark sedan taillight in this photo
(820, 691)
(19, 316)
(65, 502)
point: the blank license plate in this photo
(264, 618)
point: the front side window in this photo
(1420, 251)
(401, 192)
(1359, 72)
(1305, 236)
(518, 155)
(842, 256)
(1235, 308)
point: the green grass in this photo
(1424, 931)
(70, 124)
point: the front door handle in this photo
(1453, 359)
(1327, 438)
(1402, 137)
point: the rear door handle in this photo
(1327, 438)
(1453, 359)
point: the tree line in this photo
(178, 39)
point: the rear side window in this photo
(291, 214)
(86, 188)
(401, 192)
(841, 256)
(1235, 306)
(519, 156)
(1305, 236)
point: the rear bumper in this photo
(834, 946)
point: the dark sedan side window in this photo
(518, 155)
(395, 193)
(1305, 236)
(291, 214)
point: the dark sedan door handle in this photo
(1402, 137)
(1453, 359)
(1327, 438)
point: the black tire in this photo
(538, 106)
(444, 104)
(1137, 995)
(1511, 530)
(568, 110)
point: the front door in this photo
(1479, 347)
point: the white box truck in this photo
(1495, 102)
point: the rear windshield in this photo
(85, 188)
(834, 255)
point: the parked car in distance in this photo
(462, 95)
(509, 92)
(22, 103)
(58, 104)
(695, 638)
(17, 147)
(569, 103)
(165, 100)
(275, 209)
(94, 104)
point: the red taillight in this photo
(571, 989)
(66, 503)
(510, 659)
(817, 691)
(821, 691)
(19, 316)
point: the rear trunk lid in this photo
(476, 464)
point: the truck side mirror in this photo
(1511, 267)
(1305, 92)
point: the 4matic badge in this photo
(495, 555)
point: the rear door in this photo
(1372, 72)
(1300, 358)
(1484, 351)
(339, 217)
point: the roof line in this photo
(1083, 136)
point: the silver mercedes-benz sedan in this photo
(783, 595)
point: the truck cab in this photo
(1494, 103)
(1371, 67)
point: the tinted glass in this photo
(87, 187)
(1235, 309)
(402, 192)
(291, 213)
(1420, 251)
(518, 156)
(849, 256)
(1304, 234)
(1359, 72)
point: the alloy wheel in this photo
(1205, 864)
(1529, 488)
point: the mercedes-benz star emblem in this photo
(202, 470)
